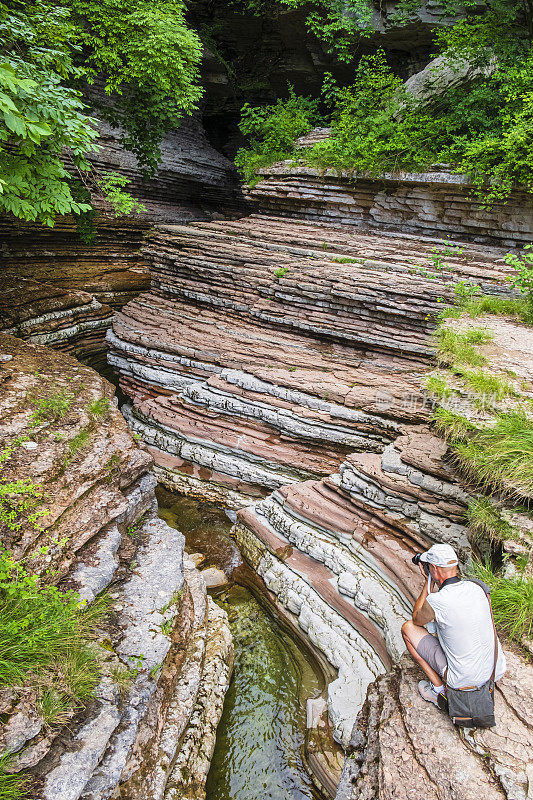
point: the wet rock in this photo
(214, 578)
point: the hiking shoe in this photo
(427, 691)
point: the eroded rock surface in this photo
(101, 533)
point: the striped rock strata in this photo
(426, 204)
(101, 533)
(71, 321)
(282, 360)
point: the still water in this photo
(258, 753)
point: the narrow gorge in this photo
(228, 422)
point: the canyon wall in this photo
(276, 366)
(439, 204)
(164, 648)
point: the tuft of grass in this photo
(501, 455)
(485, 520)
(451, 425)
(512, 601)
(12, 785)
(44, 632)
(436, 386)
(54, 707)
(459, 348)
(500, 306)
(488, 385)
(99, 408)
(51, 408)
(347, 260)
(123, 678)
(280, 272)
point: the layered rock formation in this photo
(68, 320)
(275, 354)
(165, 650)
(403, 747)
(427, 204)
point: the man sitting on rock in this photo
(459, 613)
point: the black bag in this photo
(473, 707)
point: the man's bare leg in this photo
(412, 634)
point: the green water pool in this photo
(258, 753)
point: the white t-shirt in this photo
(465, 632)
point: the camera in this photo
(416, 560)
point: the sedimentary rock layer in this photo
(110, 268)
(71, 321)
(165, 651)
(428, 204)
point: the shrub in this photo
(272, 131)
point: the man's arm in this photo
(422, 611)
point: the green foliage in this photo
(437, 386)
(280, 272)
(454, 427)
(12, 786)
(523, 272)
(490, 386)
(483, 128)
(488, 304)
(485, 520)
(40, 114)
(51, 408)
(272, 131)
(340, 24)
(149, 59)
(512, 601)
(99, 408)
(501, 455)
(20, 500)
(459, 348)
(112, 186)
(43, 632)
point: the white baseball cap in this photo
(440, 555)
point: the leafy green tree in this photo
(148, 60)
(41, 118)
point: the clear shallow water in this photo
(261, 733)
(258, 753)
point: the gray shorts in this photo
(431, 651)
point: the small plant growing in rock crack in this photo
(155, 669)
(280, 272)
(20, 499)
(137, 437)
(112, 467)
(123, 678)
(99, 408)
(132, 529)
(76, 444)
(51, 408)
(166, 626)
